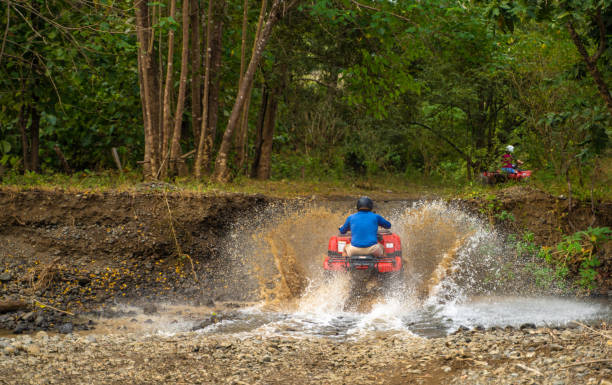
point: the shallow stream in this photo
(458, 272)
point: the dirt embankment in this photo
(74, 251)
(521, 209)
(547, 216)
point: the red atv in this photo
(390, 262)
(502, 177)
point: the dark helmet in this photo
(365, 203)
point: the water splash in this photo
(450, 258)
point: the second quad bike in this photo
(499, 176)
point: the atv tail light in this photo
(385, 267)
(389, 245)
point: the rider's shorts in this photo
(375, 250)
(509, 170)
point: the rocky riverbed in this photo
(494, 356)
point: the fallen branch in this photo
(528, 369)
(380, 10)
(117, 160)
(41, 279)
(187, 154)
(62, 159)
(585, 363)
(593, 330)
(176, 243)
(18, 220)
(44, 305)
(10, 306)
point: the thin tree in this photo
(201, 154)
(214, 88)
(196, 63)
(148, 88)
(221, 171)
(175, 148)
(168, 88)
(591, 61)
(241, 137)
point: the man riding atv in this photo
(364, 227)
(507, 161)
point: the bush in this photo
(578, 253)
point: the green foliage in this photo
(81, 80)
(429, 91)
(578, 253)
(505, 216)
(547, 275)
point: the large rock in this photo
(213, 319)
(20, 328)
(149, 309)
(5, 277)
(29, 316)
(66, 328)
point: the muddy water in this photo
(459, 272)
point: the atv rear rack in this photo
(383, 264)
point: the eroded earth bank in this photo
(163, 286)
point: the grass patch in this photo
(389, 186)
(378, 187)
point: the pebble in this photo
(42, 335)
(196, 357)
(33, 349)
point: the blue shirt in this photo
(364, 226)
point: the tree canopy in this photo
(320, 89)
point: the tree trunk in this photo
(175, 148)
(34, 134)
(62, 159)
(216, 55)
(591, 61)
(261, 116)
(146, 117)
(148, 87)
(241, 137)
(24, 137)
(468, 167)
(263, 167)
(221, 172)
(159, 76)
(201, 154)
(196, 63)
(168, 88)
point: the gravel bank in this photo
(529, 356)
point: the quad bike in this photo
(389, 263)
(370, 276)
(499, 176)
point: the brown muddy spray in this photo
(286, 257)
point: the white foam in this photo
(514, 311)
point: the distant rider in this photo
(507, 159)
(364, 227)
